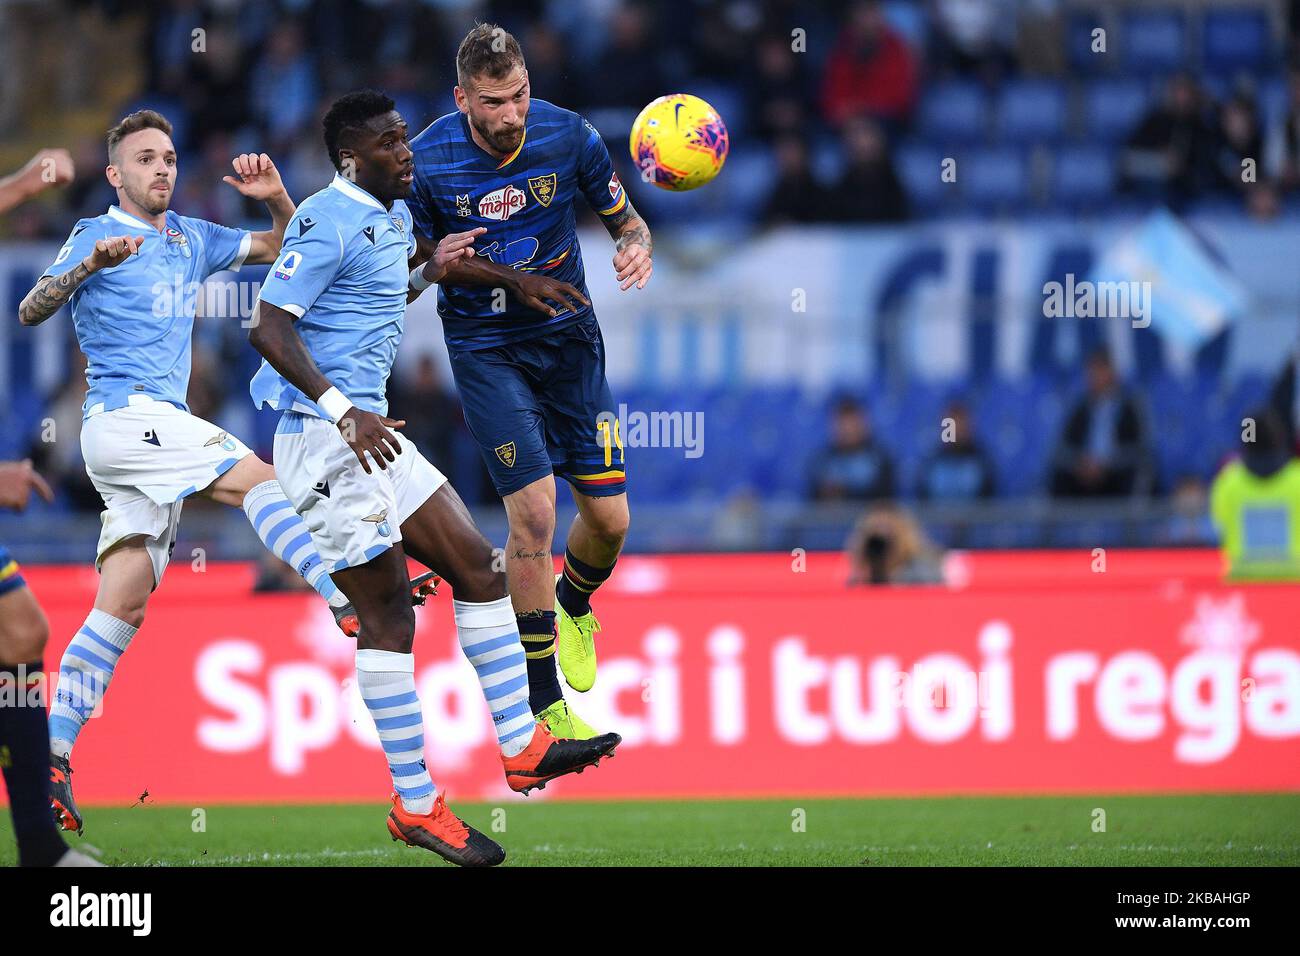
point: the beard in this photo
(148, 200)
(503, 141)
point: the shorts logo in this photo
(322, 488)
(221, 438)
(152, 438)
(502, 203)
(506, 453)
(462, 205)
(543, 188)
(381, 522)
(288, 265)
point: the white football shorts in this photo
(353, 517)
(145, 459)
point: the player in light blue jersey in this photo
(329, 321)
(132, 277)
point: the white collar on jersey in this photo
(115, 212)
(353, 191)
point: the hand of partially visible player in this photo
(453, 246)
(255, 176)
(366, 432)
(633, 266)
(543, 294)
(113, 251)
(17, 481)
(49, 167)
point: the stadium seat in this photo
(1154, 41)
(1031, 111)
(993, 178)
(1113, 107)
(955, 112)
(1235, 40)
(919, 168)
(1079, 42)
(1083, 177)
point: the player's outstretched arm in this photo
(452, 248)
(633, 247)
(550, 296)
(48, 168)
(273, 335)
(50, 293)
(257, 178)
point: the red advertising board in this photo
(736, 675)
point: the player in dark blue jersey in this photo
(526, 350)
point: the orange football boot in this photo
(546, 758)
(444, 833)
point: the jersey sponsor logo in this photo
(288, 265)
(614, 186)
(502, 203)
(506, 453)
(543, 188)
(462, 205)
(305, 225)
(380, 520)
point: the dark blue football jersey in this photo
(525, 202)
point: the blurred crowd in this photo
(818, 97)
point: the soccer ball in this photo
(679, 142)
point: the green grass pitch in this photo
(1220, 830)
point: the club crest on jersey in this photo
(177, 238)
(223, 439)
(288, 265)
(462, 205)
(399, 222)
(543, 188)
(381, 522)
(614, 186)
(506, 453)
(502, 203)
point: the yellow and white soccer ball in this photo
(679, 142)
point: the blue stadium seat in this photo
(1083, 176)
(955, 112)
(1031, 111)
(919, 168)
(1154, 41)
(1113, 108)
(993, 178)
(1233, 40)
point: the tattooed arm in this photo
(51, 292)
(633, 247)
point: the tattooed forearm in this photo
(50, 294)
(627, 227)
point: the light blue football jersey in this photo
(135, 321)
(343, 273)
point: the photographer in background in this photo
(888, 547)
